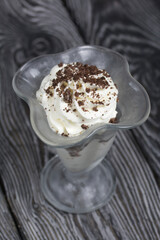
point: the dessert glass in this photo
(76, 180)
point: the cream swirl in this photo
(76, 96)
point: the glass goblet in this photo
(76, 180)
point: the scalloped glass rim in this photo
(101, 55)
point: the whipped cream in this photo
(77, 96)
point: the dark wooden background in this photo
(29, 28)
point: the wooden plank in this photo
(148, 136)
(134, 212)
(8, 230)
(117, 25)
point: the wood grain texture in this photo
(31, 28)
(8, 229)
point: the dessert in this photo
(77, 96)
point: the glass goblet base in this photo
(77, 192)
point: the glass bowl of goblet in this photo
(79, 179)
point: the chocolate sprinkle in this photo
(65, 135)
(80, 103)
(88, 90)
(84, 110)
(113, 120)
(67, 95)
(77, 94)
(60, 64)
(95, 109)
(97, 102)
(49, 91)
(84, 126)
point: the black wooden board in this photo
(29, 28)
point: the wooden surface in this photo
(29, 28)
